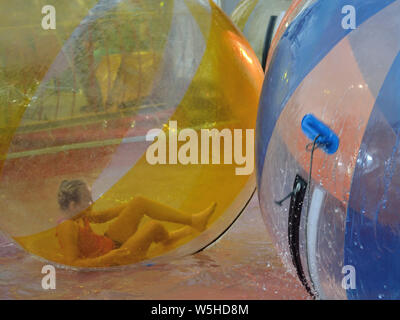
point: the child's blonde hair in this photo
(69, 191)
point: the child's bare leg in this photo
(140, 242)
(127, 222)
(123, 227)
(162, 212)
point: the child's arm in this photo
(105, 215)
(68, 233)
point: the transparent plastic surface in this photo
(253, 16)
(77, 103)
(349, 232)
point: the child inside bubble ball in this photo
(123, 242)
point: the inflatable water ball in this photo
(258, 19)
(82, 106)
(328, 144)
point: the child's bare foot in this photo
(177, 235)
(200, 220)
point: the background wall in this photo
(227, 5)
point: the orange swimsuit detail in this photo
(92, 245)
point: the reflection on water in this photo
(241, 265)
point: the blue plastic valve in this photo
(312, 127)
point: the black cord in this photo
(315, 146)
(279, 203)
(311, 147)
